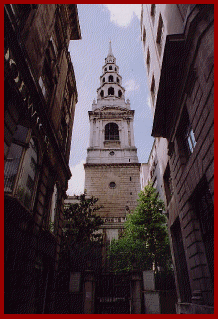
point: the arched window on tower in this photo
(102, 93)
(105, 69)
(111, 91)
(118, 81)
(111, 132)
(111, 78)
(110, 67)
(103, 80)
(119, 93)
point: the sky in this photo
(99, 24)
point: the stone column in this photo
(151, 297)
(89, 292)
(136, 283)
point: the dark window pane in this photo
(111, 131)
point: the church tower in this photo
(112, 170)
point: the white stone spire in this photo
(110, 53)
(110, 92)
(111, 120)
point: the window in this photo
(102, 93)
(105, 69)
(185, 135)
(111, 78)
(153, 12)
(14, 157)
(27, 176)
(153, 89)
(111, 132)
(46, 79)
(110, 67)
(103, 80)
(112, 185)
(111, 91)
(120, 93)
(118, 80)
(168, 184)
(115, 69)
(148, 60)
(75, 282)
(20, 169)
(112, 153)
(54, 201)
(191, 139)
(144, 36)
(64, 127)
(160, 34)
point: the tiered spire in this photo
(110, 81)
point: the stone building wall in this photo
(184, 116)
(39, 110)
(121, 199)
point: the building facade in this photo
(40, 98)
(179, 55)
(112, 170)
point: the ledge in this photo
(112, 164)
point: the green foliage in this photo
(144, 243)
(80, 237)
(81, 221)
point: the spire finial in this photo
(110, 49)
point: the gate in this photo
(112, 294)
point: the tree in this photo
(80, 239)
(81, 221)
(144, 243)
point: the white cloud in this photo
(131, 85)
(122, 14)
(76, 183)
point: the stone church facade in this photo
(112, 170)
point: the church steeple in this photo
(111, 90)
(111, 120)
(112, 170)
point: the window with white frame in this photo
(185, 135)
